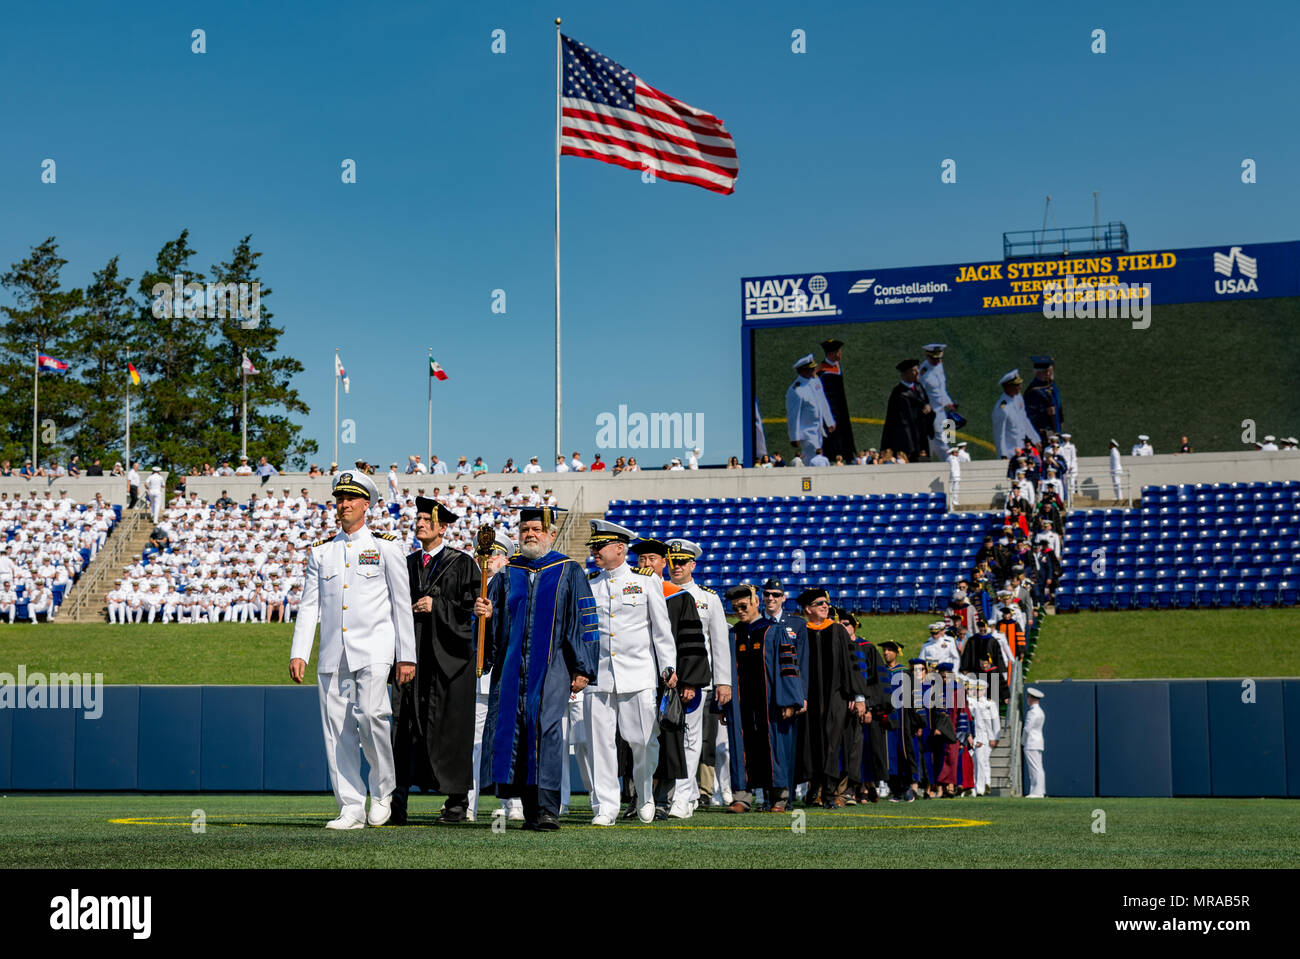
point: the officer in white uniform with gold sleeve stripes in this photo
(636, 651)
(357, 587)
(682, 556)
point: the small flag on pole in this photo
(436, 371)
(339, 371)
(612, 115)
(247, 366)
(135, 374)
(44, 362)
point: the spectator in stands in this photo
(133, 485)
(462, 467)
(41, 600)
(632, 466)
(597, 464)
(509, 467)
(532, 466)
(560, 465)
(315, 471)
(1289, 445)
(1143, 446)
(436, 466)
(675, 465)
(225, 469)
(734, 464)
(158, 539)
(777, 461)
(620, 465)
(819, 459)
(576, 464)
(1268, 446)
(334, 468)
(74, 466)
(1116, 470)
(8, 599)
(6, 469)
(95, 468)
(244, 469)
(117, 470)
(1184, 446)
(479, 467)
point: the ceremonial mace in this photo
(483, 553)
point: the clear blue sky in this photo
(839, 149)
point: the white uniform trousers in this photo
(1118, 480)
(983, 768)
(1037, 783)
(356, 712)
(575, 735)
(633, 715)
(722, 766)
(480, 723)
(687, 791)
(9, 610)
(117, 613)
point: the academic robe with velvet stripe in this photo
(900, 722)
(692, 670)
(861, 764)
(433, 716)
(834, 681)
(543, 630)
(839, 442)
(764, 679)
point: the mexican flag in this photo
(436, 371)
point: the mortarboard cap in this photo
(654, 547)
(1042, 362)
(831, 345)
(740, 591)
(811, 595)
(891, 645)
(423, 504)
(904, 365)
(548, 516)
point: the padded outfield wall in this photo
(1220, 343)
(1193, 737)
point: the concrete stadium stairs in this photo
(84, 602)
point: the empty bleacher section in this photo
(1195, 545)
(46, 541)
(881, 553)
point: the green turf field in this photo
(1169, 644)
(1121, 645)
(1166, 380)
(43, 831)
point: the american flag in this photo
(610, 114)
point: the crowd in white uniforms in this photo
(48, 534)
(227, 564)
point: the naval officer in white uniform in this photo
(1035, 719)
(808, 415)
(357, 587)
(1010, 421)
(636, 652)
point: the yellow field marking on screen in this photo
(778, 822)
(872, 421)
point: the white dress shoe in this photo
(380, 811)
(608, 820)
(647, 812)
(516, 813)
(681, 812)
(346, 821)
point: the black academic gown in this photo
(872, 734)
(433, 716)
(833, 682)
(839, 442)
(907, 429)
(692, 670)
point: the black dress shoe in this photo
(546, 822)
(530, 825)
(452, 814)
(661, 813)
(631, 812)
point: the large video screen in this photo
(1222, 373)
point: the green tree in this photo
(104, 331)
(177, 406)
(271, 400)
(41, 320)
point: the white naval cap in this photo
(1270, 438)
(1114, 442)
(935, 347)
(504, 543)
(936, 627)
(1064, 436)
(604, 532)
(356, 484)
(684, 549)
(805, 360)
(1012, 377)
(1143, 437)
(1035, 692)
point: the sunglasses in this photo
(773, 594)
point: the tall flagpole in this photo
(558, 91)
(243, 416)
(429, 377)
(128, 415)
(336, 406)
(35, 391)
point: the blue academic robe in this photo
(900, 722)
(543, 629)
(762, 743)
